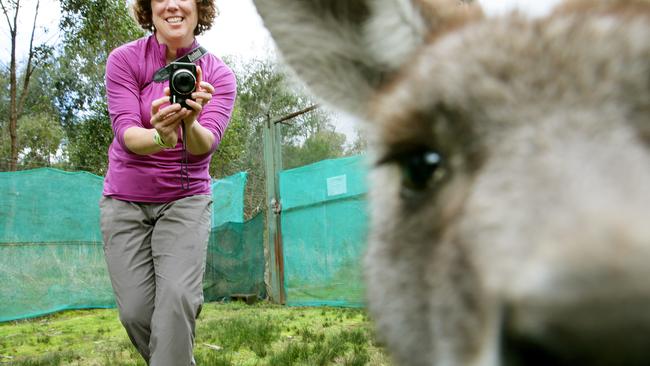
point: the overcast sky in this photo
(238, 31)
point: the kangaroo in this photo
(510, 172)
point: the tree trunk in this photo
(13, 116)
(16, 104)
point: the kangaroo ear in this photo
(398, 28)
(345, 49)
(323, 42)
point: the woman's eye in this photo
(420, 169)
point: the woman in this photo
(156, 208)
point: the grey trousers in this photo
(156, 259)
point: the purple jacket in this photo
(130, 90)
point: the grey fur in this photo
(530, 245)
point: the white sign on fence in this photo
(337, 185)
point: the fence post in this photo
(273, 239)
(272, 166)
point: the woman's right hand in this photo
(166, 120)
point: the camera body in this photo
(182, 82)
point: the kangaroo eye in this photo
(420, 169)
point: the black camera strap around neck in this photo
(163, 73)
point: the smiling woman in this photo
(156, 209)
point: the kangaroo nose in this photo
(587, 295)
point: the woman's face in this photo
(175, 21)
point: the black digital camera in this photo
(182, 82)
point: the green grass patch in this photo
(228, 334)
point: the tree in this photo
(359, 144)
(5, 141)
(38, 105)
(323, 144)
(40, 137)
(18, 93)
(265, 93)
(91, 29)
(88, 146)
(227, 160)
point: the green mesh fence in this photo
(49, 206)
(324, 231)
(228, 199)
(235, 258)
(235, 265)
(51, 255)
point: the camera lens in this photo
(183, 82)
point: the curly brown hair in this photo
(206, 9)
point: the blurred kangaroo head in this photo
(510, 180)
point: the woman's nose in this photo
(172, 4)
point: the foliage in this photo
(19, 86)
(318, 146)
(265, 95)
(91, 30)
(260, 92)
(227, 160)
(40, 136)
(67, 87)
(88, 146)
(78, 76)
(37, 108)
(227, 334)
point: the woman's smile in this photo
(174, 22)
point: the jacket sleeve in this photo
(123, 94)
(215, 116)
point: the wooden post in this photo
(273, 166)
(273, 239)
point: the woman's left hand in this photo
(202, 96)
(199, 139)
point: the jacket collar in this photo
(161, 49)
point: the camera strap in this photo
(185, 175)
(163, 73)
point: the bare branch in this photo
(16, 17)
(30, 59)
(12, 28)
(295, 114)
(13, 85)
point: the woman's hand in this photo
(167, 119)
(202, 96)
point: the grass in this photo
(228, 334)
